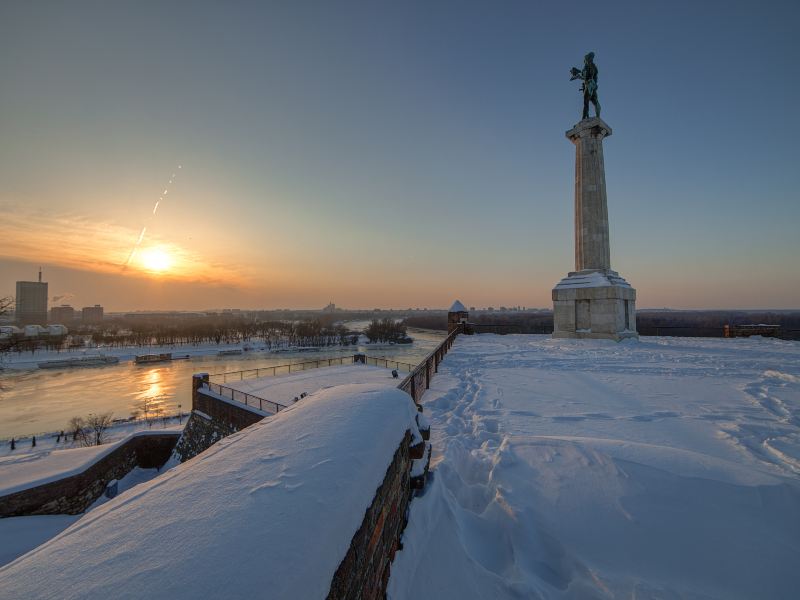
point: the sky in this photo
(393, 154)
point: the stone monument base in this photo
(594, 304)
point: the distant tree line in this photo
(202, 330)
(386, 330)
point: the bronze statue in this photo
(589, 88)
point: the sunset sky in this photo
(393, 154)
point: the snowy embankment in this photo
(267, 512)
(21, 470)
(30, 360)
(666, 468)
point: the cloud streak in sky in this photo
(78, 242)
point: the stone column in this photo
(593, 301)
(592, 250)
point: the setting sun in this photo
(156, 260)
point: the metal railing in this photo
(245, 398)
(388, 363)
(273, 407)
(428, 365)
(280, 369)
(418, 380)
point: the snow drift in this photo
(666, 468)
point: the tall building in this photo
(62, 314)
(92, 314)
(31, 302)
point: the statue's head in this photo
(588, 58)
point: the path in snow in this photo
(666, 468)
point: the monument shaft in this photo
(592, 249)
(593, 301)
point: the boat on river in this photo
(148, 359)
(231, 352)
(90, 360)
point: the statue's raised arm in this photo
(589, 88)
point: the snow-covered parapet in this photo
(268, 512)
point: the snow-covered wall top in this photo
(267, 512)
(25, 470)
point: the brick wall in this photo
(73, 495)
(364, 572)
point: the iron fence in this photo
(281, 369)
(388, 363)
(378, 361)
(245, 398)
(409, 384)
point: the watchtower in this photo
(457, 317)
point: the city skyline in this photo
(393, 156)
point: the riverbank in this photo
(31, 360)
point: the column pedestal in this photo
(593, 304)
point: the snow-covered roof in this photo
(269, 511)
(458, 307)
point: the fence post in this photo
(428, 374)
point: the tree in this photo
(385, 330)
(96, 426)
(5, 305)
(76, 427)
(90, 431)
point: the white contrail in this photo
(150, 217)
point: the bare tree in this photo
(90, 431)
(5, 305)
(146, 406)
(96, 426)
(77, 428)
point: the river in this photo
(36, 401)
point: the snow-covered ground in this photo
(47, 442)
(23, 534)
(284, 388)
(267, 512)
(664, 468)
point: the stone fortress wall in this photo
(74, 494)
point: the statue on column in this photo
(589, 88)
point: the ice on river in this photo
(664, 468)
